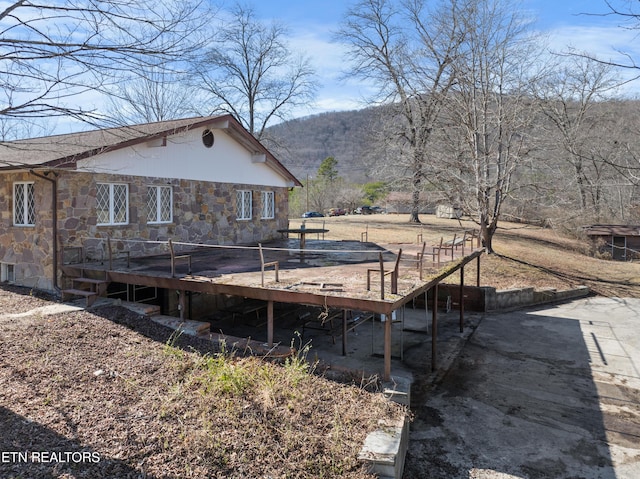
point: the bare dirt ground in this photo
(108, 394)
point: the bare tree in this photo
(628, 115)
(349, 197)
(406, 50)
(252, 73)
(150, 95)
(52, 52)
(629, 12)
(485, 136)
(571, 99)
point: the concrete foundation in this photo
(384, 450)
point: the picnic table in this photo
(303, 232)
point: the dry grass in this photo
(146, 404)
(527, 256)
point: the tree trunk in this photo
(486, 235)
(415, 197)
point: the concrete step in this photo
(143, 309)
(79, 292)
(90, 296)
(187, 326)
(89, 281)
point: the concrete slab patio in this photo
(552, 392)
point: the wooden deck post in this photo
(182, 304)
(344, 332)
(462, 299)
(434, 328)
(270, 323)
(387, 348)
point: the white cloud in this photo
(337, 91)
(607, 43)
(604, 42)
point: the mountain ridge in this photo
(301, 144)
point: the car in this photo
(337, 212)
(363, 210)
(312, 214)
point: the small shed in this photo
(401, 202)
(453, 212)
(621, 241)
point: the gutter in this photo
(54, 216)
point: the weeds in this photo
(297, 365)
(242, 407)
(170, 349)
(223, 374)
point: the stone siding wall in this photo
(27, 248)
(203, 212)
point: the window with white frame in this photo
(112, 204)
(244, 204)
(24, 204)
(159, 204)
(268, 205)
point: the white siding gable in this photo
(185, 157)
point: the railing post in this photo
(421, 259)
(364, 236)
(395, 274)
(261, 263)
(110, 253)
(173, 259)
(381, 276)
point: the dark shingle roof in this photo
(612, 230)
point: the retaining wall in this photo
(485, 298)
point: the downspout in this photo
(54, 215)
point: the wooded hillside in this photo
(598, 182)
(302, 144)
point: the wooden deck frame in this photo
(329, 299)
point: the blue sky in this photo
(564, 22)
